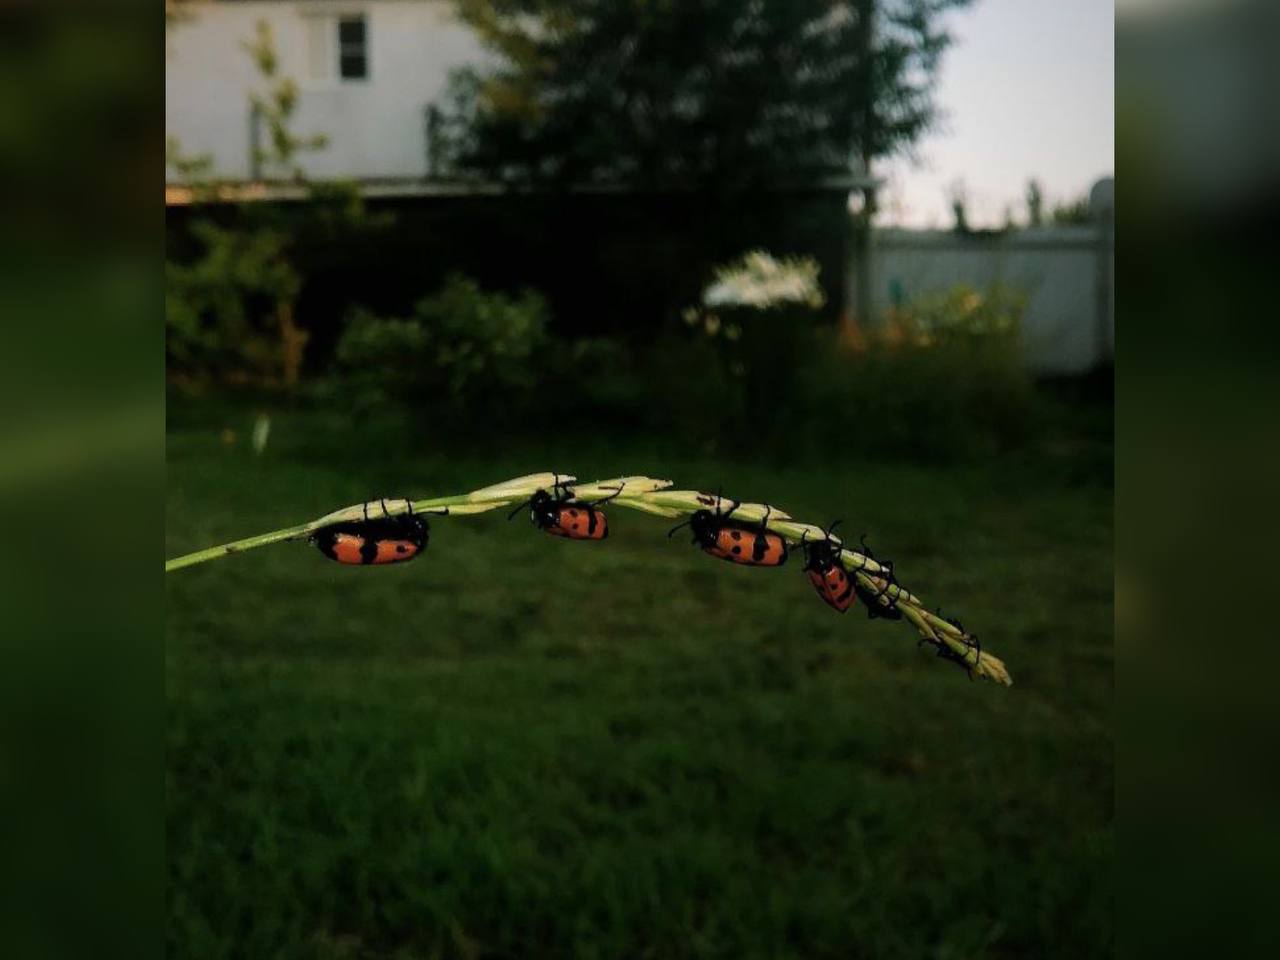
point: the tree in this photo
(1073, 212)
(958, 197)
(230, 308)
(1035, 203)
(705, 93)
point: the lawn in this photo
(520, 746)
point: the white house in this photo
(366, 70)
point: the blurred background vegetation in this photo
(519, 747)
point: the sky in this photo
(1026, 90)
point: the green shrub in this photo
(693, 396)
(223, 310)
(990, 318)
(461, 351)
(759, 313)
(600, 374)
(941, 379)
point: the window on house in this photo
(338, 47)
(353, 54)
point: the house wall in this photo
(376, 127)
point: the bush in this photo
(462, 351)
(599, 374)
(224, 310)
(991, 319)
(941, 379)
(759, 312)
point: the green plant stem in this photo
(649, 496)
(299, 532)
(237, 546)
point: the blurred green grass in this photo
(520, 746)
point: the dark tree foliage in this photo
(708, 93)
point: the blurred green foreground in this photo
(519, 746)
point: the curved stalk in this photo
(648, 495)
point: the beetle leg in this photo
(616, 493)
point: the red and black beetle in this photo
(827, 574)
(747, 544)
(873, 598)
(391, 538)
(563, 516)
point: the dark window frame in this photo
(353, 47)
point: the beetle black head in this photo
(821, 555)
(537, 504)
(419, 525)
(704, 526)
(543, 509)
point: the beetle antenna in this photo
(512, 515)
(684, 522)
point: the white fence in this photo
(1067, 273)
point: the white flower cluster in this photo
(760, 281)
